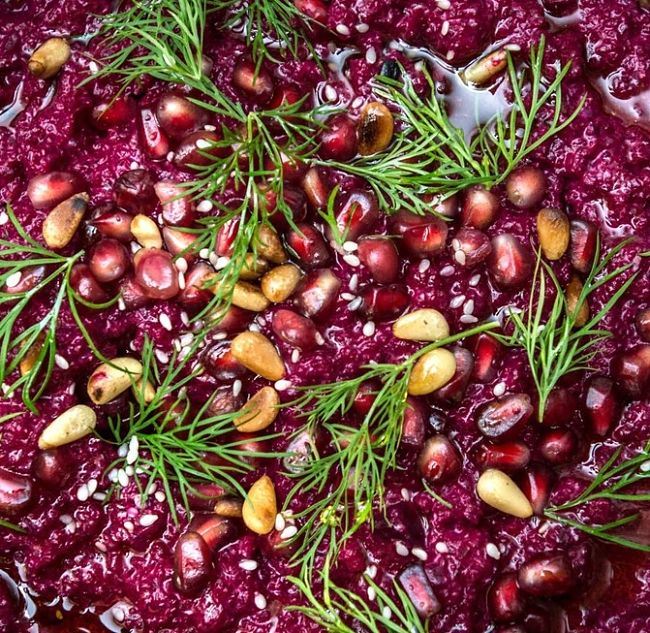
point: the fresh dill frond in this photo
(11, 526)
(554, 344)
(616, 481)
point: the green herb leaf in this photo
(11, 526)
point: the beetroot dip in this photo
(90, 564)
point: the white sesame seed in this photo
(330, 93)
(13, 280)
(406, 494)
(99, 496)
(247, 564)
(82, 493)
(92, 486)
(319, 339)
(186, 339)
(135, 164)
(165, 321)
(280, 523)
(515, 48)
(121, 305)
(66, 519)
(350, 247)
(204, 206)
(456, 302)
(236, 387)
(468, 318)
(71, 528)
(295, 355)
(347, 296)
(129, 525)
(148, 519)
(93, 67)
(372, 594)
(112, 475)
(401, 549)
(445, 27)
(450, 55)
(282, 384)
(443, 4)
(499, 389)
(101, 547)
(475, 280)
(260, 601)
(202, 143)
(386, 612)
(371, 571)
(425, 264)
(61, 362)
(455, 244)
(122, 450)
(181, 264)
(351, 260)
(645, 466)
(129, 471)
(369, 329)
(442, 548)
(221, 262)
(362, 27)
(288, 532)
(210, 128)
(4, 218)
(371, 55)
(418, 552)
(460, 257)
(253, 327)
(447, 271)
(122, 478)
(204, 253)
(468, 308)
(71, 389)
(354, 282)
(493, 551)
(185, 318)
(355, 304)
(159, 496)
(342, 29)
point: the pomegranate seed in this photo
(356, 215)
(112, 113)
(283, 96)
(381, 258)
(487, 351)
(85, 284)
(315, 9)
(632, 371)
(293, 199)
(47, 190)
(235, 320)
(195, 295)
(294, 329)
(510, 262)
(601, 405)
(156, 273)
(133, 294)
(224, 401)
(308, 245)
(383, 303)
(153, 140)
(114, 224)
(220, 363)
(30, 277)
(301, 447)
(526, 186)
(558, 446)
(643, 324)
(560, 407)
(318, 293)
(505, 601)
(535, 483)
(15, 492)
(203, 497)
(177, 208)
(256, 83)
(109, 260)
(454, 390)
(178, 116)
(471, 247)
(506, 417)
(439, 459)
(315, 188)
(192, 563)
(507, 456)
(426, 239)
(216, 531)
(448, 207)
(51, 468)
(415, 583)
(226, 237)
(134, 191)
(546, 575)
(180, 243)
(479, 208)
(338, 141)
(199, 149)
(365, 397)
(413, 423)
(582, 248)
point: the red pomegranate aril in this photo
(507, 456)
(153, 140)
(192, 563)
(383, 303)
(427, 239)
(177, 207)
(199, 149)
(114, 224)
(220, 363)
(256, 83)
(295, 329)
(308, 245)
(226, 237)
(413, 423)
(284, 96)
(203, 496)
(178, 116)
(560, 407)
(216, 531)
(601, 405)
(133, 294)
(448, 207)
(479, 208)
(546, 575)
(134, 191)
(643, 324)
(315, 188)
(536, 482)
(365, 397)
(506, 417)
(439, 459)
(86, 285)
(112, 113)
(30, 277)
(15, 492)
(632, 371)
(454, 390)
(314, 9)
(558, 446)
(487, 352)
(525, 187)
(380, 256)
(582, 247)
(180, 243)
(471, 247)
(51, 468)
(318, 293)
(356, 215)
(156, 272)
(510, 262)
(293, 199)
(415, 583)
(195, 295)
(47, 190)
(338, 141)
(109, 260)
(234, 320)
(505, 600)
(224, 401)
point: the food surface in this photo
(325, 316)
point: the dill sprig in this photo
(183, 447)
(554, 344)
(616, 481)
(431, 157)
(33, 348)
(11, 526)
(360, 456)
